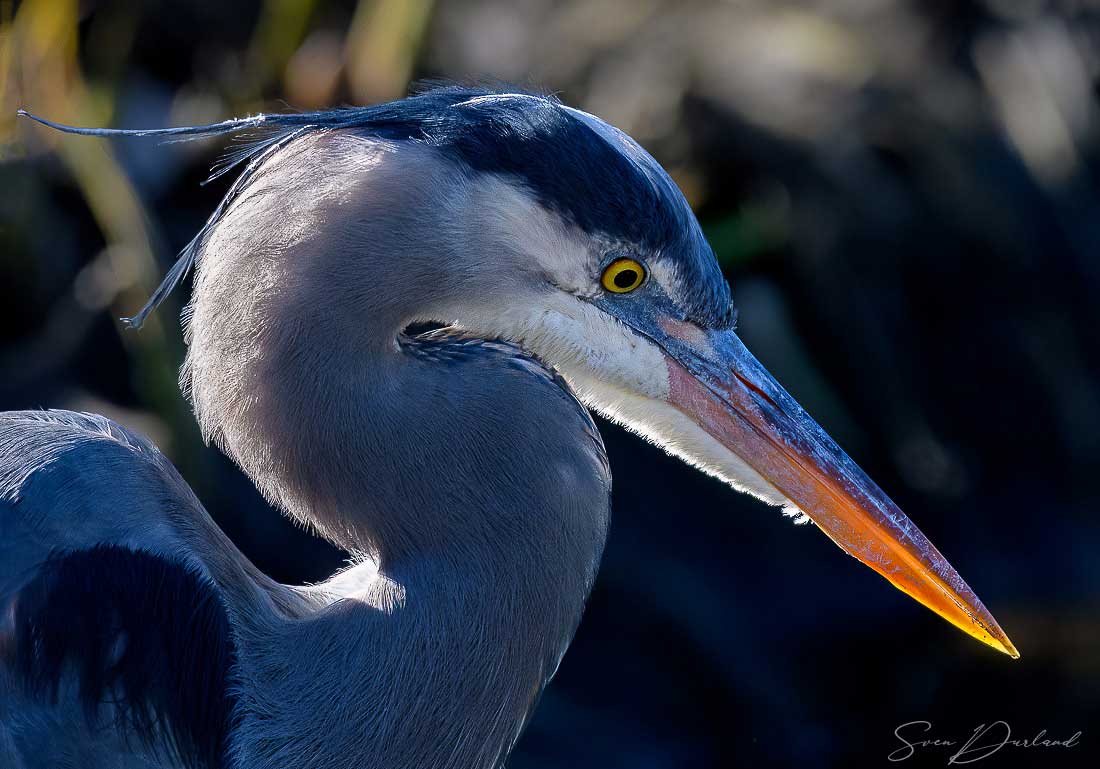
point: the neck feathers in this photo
(464, 468)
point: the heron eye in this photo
(623, 275)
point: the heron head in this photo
(511, 216)
(590, 257)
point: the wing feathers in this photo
(147, 641)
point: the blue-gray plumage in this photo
(401, 315)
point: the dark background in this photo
(904, 198)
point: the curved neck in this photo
(463, 468)
(488, 534)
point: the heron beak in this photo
(717, 383)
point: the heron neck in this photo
(485, 536)
(477, 484)
(470, 474)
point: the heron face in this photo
(630, 330)
(701, 394)
(579, 247)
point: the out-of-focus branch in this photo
(43, 74)
(382, 45)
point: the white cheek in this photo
(505, 210)
(582, 343)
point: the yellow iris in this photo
(623, 275)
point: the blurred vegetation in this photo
(904, 196)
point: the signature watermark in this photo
(986, 740)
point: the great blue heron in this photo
(400, 316)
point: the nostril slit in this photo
(752, 386)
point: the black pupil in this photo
(625, 278)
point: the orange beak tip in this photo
(1004, 645)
